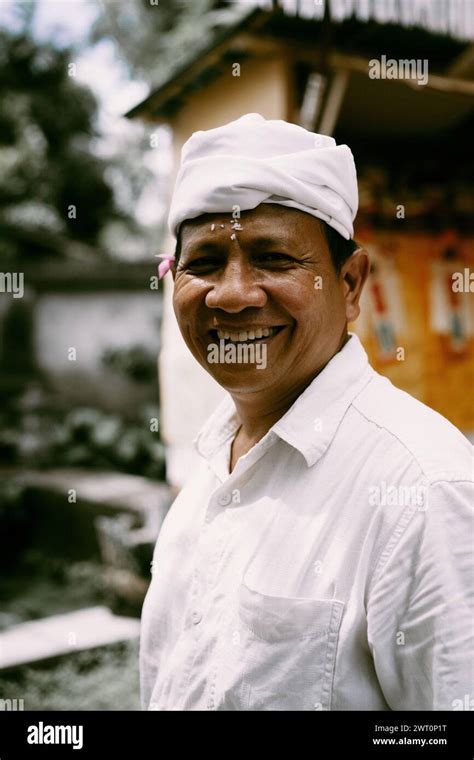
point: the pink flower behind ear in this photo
(165, 265)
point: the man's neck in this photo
(258, 412)
(257, 415)
(257, 419)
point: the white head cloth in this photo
(254, 160)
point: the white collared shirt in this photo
(331, 570)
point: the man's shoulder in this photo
(439, 448)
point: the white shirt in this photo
(331, 570)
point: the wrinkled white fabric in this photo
(331, 570)
(254, 160)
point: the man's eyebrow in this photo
(202, 247)
(255, 243)
(268, 242)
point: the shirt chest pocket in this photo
(283, 654)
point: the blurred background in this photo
(96, 101)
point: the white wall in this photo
(91, 323)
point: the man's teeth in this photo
(244, 335)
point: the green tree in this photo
(156, 37)
(52, 186)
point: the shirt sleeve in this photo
(420, 607)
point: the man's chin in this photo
(239, 376)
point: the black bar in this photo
(155, 734)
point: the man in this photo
(320, 556)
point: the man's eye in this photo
(201, 262)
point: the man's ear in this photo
(354, 273)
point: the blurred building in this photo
(76, 327)
(402, 97)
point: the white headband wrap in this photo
(253, 160)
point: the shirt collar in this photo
(311, 422)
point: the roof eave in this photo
(174, 83)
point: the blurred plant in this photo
(136, 362)
(13, 520)
(52, 186)
(101, 679)
(92, 438)
(39, 585)
(155, 38)
(35, 433)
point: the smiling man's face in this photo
(275, 274)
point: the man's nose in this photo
(236, 288)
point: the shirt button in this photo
(224, 499)
(196, 617)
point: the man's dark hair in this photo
(339, 248)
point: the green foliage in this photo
(43, 585)
(14, 527)
(46, 162)
(157, 38)
(104, 679)
(100, 679)
(136, 363)
(11, 503)
(46, 436)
